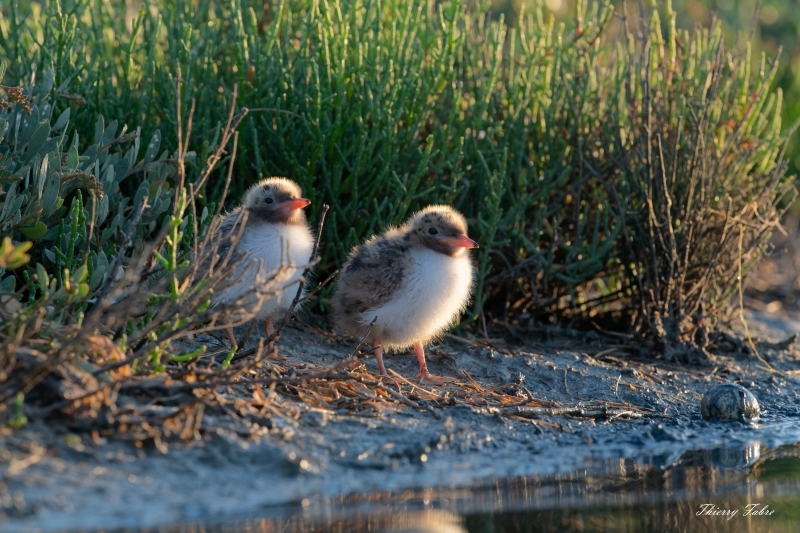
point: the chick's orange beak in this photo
(462, 241)
(295, 203)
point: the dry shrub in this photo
(676, 179)
(696, 168)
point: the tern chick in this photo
(416, 279)
(273, 248)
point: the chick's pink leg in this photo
(424, 375)
(269, 330)
(377, 349)
(231, 337)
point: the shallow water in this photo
(749, 488)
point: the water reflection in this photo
(644, 518)
(740, 489)
(432, 521)
(730, 457)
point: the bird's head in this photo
(276, 200)
(440, 228)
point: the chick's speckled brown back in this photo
(373, 274)
(225, 233)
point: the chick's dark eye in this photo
(433, 231)
(269, 200)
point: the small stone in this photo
(729, 401)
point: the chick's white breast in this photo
(263, 244)
(436, 289)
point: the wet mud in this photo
(52, 479)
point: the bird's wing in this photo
(375, 272)
(222, 239)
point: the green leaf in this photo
(38, 139)
(80, 275)
(29, 125)
(108, 176)
(101, 261)
(36, 231)
(98, 130)
(89, 157)
(40, 170)
(44, 279)
(133, 154)
(72, 159)
(110, 133)
(62, 120)
(102, 210)
(143, 191)
(10, 194)
(8, 284)
(51, 191)
(50, 147)
(82, 291)
(152, 147)
(47, 83)
(97, 277)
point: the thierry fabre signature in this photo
(752, 509)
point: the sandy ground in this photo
(54, 479)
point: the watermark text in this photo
(752, 509)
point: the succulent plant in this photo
(96, 247)
(65, 205)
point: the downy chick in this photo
(275, 237)
(416, 279)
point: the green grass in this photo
(376, 108)
(629, 176)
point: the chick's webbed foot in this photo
(424, 375)
(436, 380)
